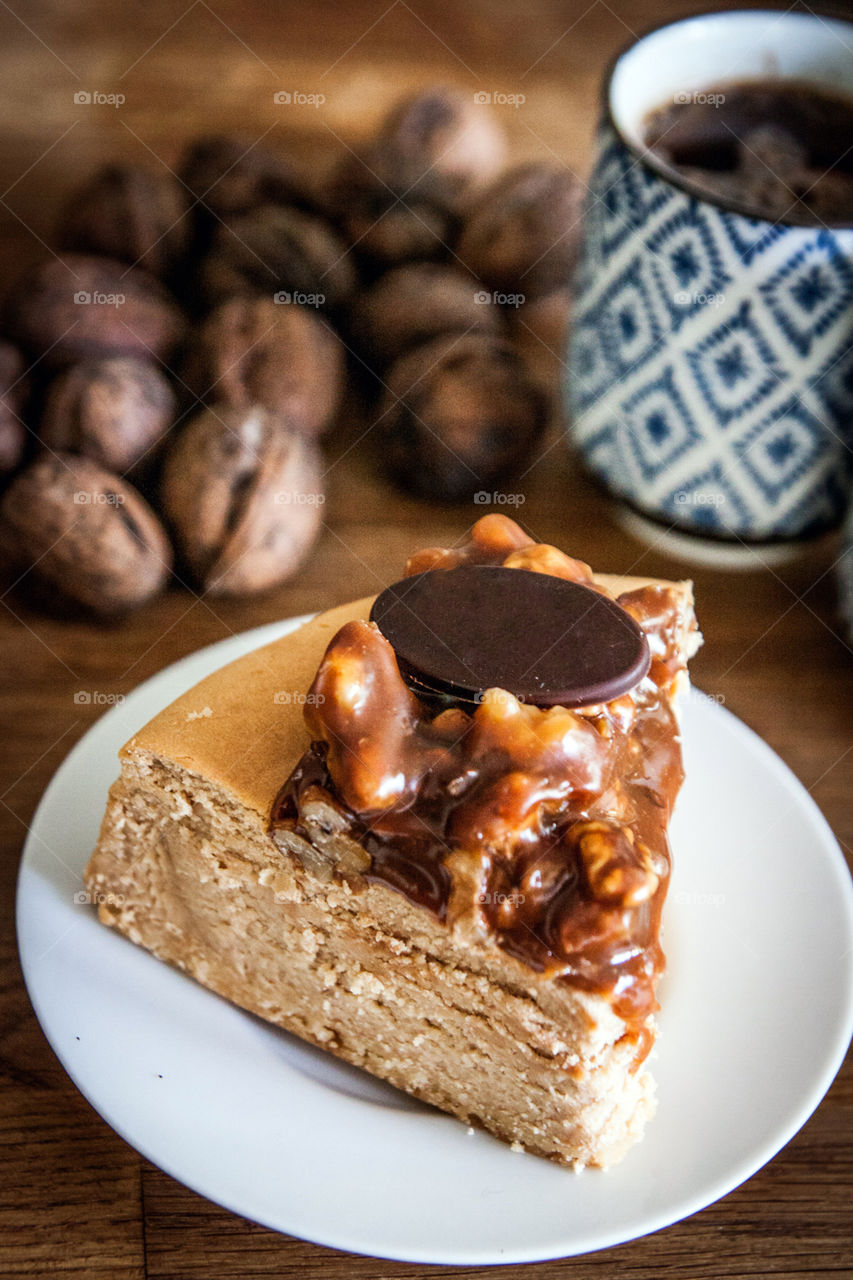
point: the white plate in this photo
(757, 1013)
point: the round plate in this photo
(757, 1010)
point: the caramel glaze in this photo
(558, 816)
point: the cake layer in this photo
(200, 887)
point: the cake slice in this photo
(483, 934)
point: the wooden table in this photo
(75, 1199)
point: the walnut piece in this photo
(616, 866)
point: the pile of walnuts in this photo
(167, 379)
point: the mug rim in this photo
(645, 157)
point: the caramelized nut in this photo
(551, 741)
(542, 558)
(616, 867)
(492, 539)
(357, 674)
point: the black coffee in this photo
(781, 151)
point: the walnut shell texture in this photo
(273, 249)
(443, 131)
(84, 534)
(282, 357)
(114, 410)
(417, 302)
(384, 217)
(244, 497)
(77, 307)
(13, 395)
(459, 414)
(523, 232)
(128, 212)
(230, 173)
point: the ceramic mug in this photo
(710, 370)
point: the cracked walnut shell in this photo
(243, 495)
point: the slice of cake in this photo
(357, 833)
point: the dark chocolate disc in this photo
(457, 632)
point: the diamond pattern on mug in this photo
(709, 499)
(749, 237)
(687, 263)
(784, 448)
(833, 385)
(820, 504)
(631, 328)
(591, 370)
(601, 451)
(658, 425)
(624, 201)
(617, 204)
(606, 457)
(811, 292)
(735, 367)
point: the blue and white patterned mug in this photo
(710, 374)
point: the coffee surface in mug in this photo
(779, 150)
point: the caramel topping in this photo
(493, 538)
(557, 816)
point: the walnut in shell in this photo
(412, 304)
(522, 233)
(114, 410)
(443, 132)
(459, 415)
(128, 212)
(84, 534)
(282, 357)
(243, 495)
(77, 307)
(382, 215)
(277, 250)
(232, 174)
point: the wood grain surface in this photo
(74, 1199)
